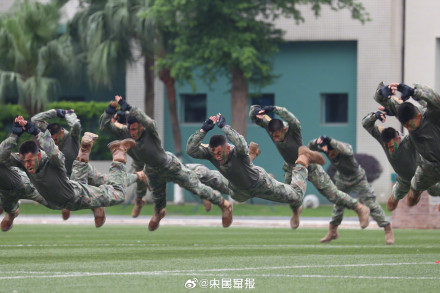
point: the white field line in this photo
(208, 272)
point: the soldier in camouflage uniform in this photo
(423, 126)
(287, 138)
(44, 165)
(245, 179)
(400, 151)
(214, 178)
(118, 121)
(68, 143)
(160, 166)
(209, 177)
(350, 178)
(15, 185)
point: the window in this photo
(193, 108)
(263, 100)
(334, 108)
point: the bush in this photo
(87, 112)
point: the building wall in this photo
(299, 65)
(422, 48)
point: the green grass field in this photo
(79, 258)
(192, 209)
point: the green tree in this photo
(109, 31)
(232, 38)
(33, 54)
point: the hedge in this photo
(87, 112)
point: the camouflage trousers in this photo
(141, 187)
(174, 171)
(212, 178)
(362, 190)
(87, 196)
(10, 198)
(269, 188)
(401, 188)
(427, 174)
(95, 178)
(322, 181)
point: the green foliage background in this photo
(87, 112)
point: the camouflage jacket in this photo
(404, 159)
(238, 169)
(148, 148)
(288, 148)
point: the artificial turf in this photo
(81, 258)
(192, 209)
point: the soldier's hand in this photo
(111, 109)
(406, 91)
(324, 140)
(121, 117)
(221, 121)
(124, 105)
(386, 92)
(380, 116)
(208, 124)
(31, 128)
(17, 129)
(258, 111)
(61, 113)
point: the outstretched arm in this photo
(40, 119)
(428, 95)
(369, 123)
(74, 123)
(6, 148)
(10, 143)
(194, 146)
(343, 148)
(237, 140)
(287, 116)
(257, 115)
(106, 124)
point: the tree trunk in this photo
(169, 82)
(165, 77)
(239, 101)
(149, 86)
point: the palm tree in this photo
(32, 54)
(108, 32)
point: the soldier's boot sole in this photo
(87, 142)
(155, 219)
(413, 197)
(307, 156)
(226, 208)
(119, 149)
(99, 214)
(138, 204)
(332, 234)
(363, 213)
(65, 214)
(207, 204)
(294, 220)
(389, 235)
(8, 221)
(392, 203)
